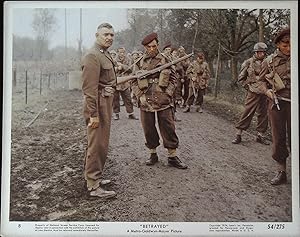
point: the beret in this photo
(149, 38)
(167, 45)
(281, 34)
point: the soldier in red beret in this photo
(155, 96)
(275, 78)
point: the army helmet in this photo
(260, 46)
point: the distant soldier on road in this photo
(275, 78)
(185, 81)
(155, 95)
(99, 82)
(199, 74)
(255, 102)
(123, 63)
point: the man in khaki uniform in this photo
(155, 96)
(123, 89)
(184, 80)
(99, 81)
(275, 78)
(199, 74)
(255, 102)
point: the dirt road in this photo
(224, 182)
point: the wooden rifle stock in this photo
(142, 75)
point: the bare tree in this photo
(43, 24)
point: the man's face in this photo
(284, 47)
(260, 54)
(121, 53)
(175, 53)
(181, 51)
(104, 37)
(167, 51)
(135, 56)
(152, 48)
(200, 59)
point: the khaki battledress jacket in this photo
(201, 72)
(157, 97)
(125, 64)
(97, 75)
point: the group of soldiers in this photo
(171, 79)
(191, 83)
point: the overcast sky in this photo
(91, 18)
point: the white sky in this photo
(91, 18)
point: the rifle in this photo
(144, 74)
(275, 100)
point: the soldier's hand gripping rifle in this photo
(144, 74)
(275, 100)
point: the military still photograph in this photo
(139, 115)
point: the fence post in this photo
(217, 73)
(14, 76)
(41, 76)
(26, 86)
(49, 80)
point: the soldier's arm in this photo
(172, 82)
(90, 78)
(243, 71)
(134, 84)
(262, 82)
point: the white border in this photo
(120, 228)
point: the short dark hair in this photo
(104, 25)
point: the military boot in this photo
(237, 139)
(152, 159)
(101, 193)
(186, 109)
(132, 116)
(176, 162)
(262, 140)
(199, 110)
(116, 116)
(280, 178)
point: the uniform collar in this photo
(102, 50)
(279, 54)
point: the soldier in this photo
(140, 53)
(113, 54)
(275, 83)
(255, 102)
(180, 75)
(167, 50)
(134, 55)
(185, 81)
(99, 81)
(199, 74)
(123, 89)
(155, 95)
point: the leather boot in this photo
(152, 159)
(132, 116)
(116, 116)
(237, 139)
(280, 178)
(186, 109)
(260, 139)
(176, 162)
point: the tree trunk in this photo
(234, 70)
(261, 26)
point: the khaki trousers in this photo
(98, 141)
(281, 130)
(126, 96)
(166, 126)
(254, 103)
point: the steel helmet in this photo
(260, 46)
